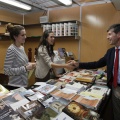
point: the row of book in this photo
(54, 100)
(16, 107)
(62, 29)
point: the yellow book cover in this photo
(3, 90)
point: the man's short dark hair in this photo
(115, 27)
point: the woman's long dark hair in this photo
(44, 42)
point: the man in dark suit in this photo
(113, 36)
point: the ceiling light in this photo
(17, 4)
(66, 2)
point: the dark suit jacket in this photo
(107, 60)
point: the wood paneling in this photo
(8, 16)
(95, 21)
(33, 30)
(65, 14)
(4, 43)
(32, 18)
(2, 29)
(69, 43)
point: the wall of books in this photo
(67, 28)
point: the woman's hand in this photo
(70, 66)
(30, 66)
(73, 63)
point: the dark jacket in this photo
(107, 60)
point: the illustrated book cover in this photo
(7, 113)
(31, 110)
(79, 112)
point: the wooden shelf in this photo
(63, 28)
(72, 21)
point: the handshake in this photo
(72, 64)
(30, 66)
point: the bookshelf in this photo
(63, 29)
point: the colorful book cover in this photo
(15, 100)
(63, 94)
(7, 113)
(79, 112)
(3, 90)
(56, 104)
(31, 110)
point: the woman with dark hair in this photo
(16, 64)
(44, 57)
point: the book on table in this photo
(46, 89)
(31, 110)
(31, 95)
(3, 91)
(85, 76)
(57, 104)
(98, 90)
(79, 112)
(15, 100)
(63, 116)
(88, 101)
(78, 87)
(68, 95)
(7, 113)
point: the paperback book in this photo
(63, 116)
(46, 89)
(7, 113)
(56, 104)
(89, 101)
(15, 100)
(31, 110)
(63, 94)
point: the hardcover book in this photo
(79, 112)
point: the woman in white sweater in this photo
(44, 58)
(16, 64)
